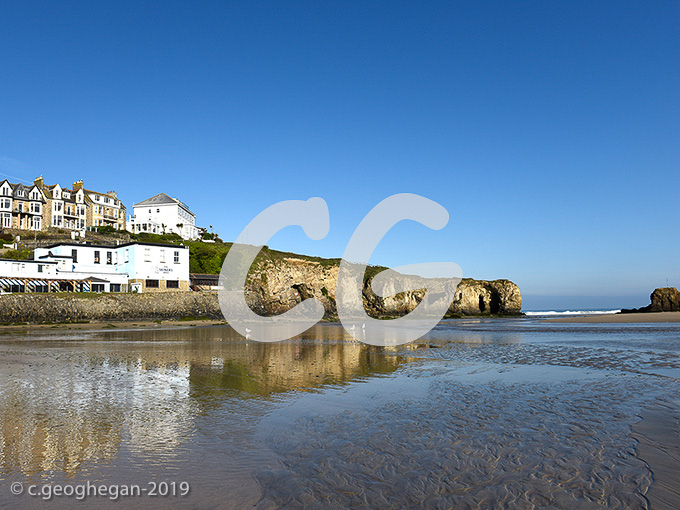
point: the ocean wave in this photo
(570, 312)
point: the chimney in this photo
(78, 185)
(112, 194)
(39, 181)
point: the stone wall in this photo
(102, 307)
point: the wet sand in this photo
(658, 436)
(479, 414)
(621, 318)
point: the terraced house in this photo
(106, 209)
(21, 206)
(79, 208)
(65, 208)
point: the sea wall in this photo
(107, 307)
(275, 287)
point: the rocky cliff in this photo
(274, 286)
(665, 299)
(278, 285)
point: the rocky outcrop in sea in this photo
(664, 299)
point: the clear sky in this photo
(549, 130)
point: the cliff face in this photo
(279, 285)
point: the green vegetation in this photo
(24, 254)
(207, 258)
(106, 229)
(157, 238)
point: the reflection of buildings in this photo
(62, 417)
(79, 407)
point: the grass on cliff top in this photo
(208, 258)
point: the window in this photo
(6, 203)
(109, 257)
(158, 210)
(115, 287)
(96, 257)
(147, 254)
(172, 284)
(127, 254)
(6, 220)
(163, 256)
(20, 207)
(74, 256)
(97, 287)
(152, 284)
(176, 257)
(40, 268)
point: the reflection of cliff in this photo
(274, 368)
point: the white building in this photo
(162, 214)
(73, 267)
(25, 275)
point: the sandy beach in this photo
(621, 318)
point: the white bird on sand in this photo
(363, 326)
(352, 328)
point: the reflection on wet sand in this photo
(505, 414)
(67, 403)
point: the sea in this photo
(479, 413)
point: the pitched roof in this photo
(162, 199)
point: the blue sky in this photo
(549, 130)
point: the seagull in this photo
(363, 326)
(352, 328)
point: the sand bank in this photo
(622, 318)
